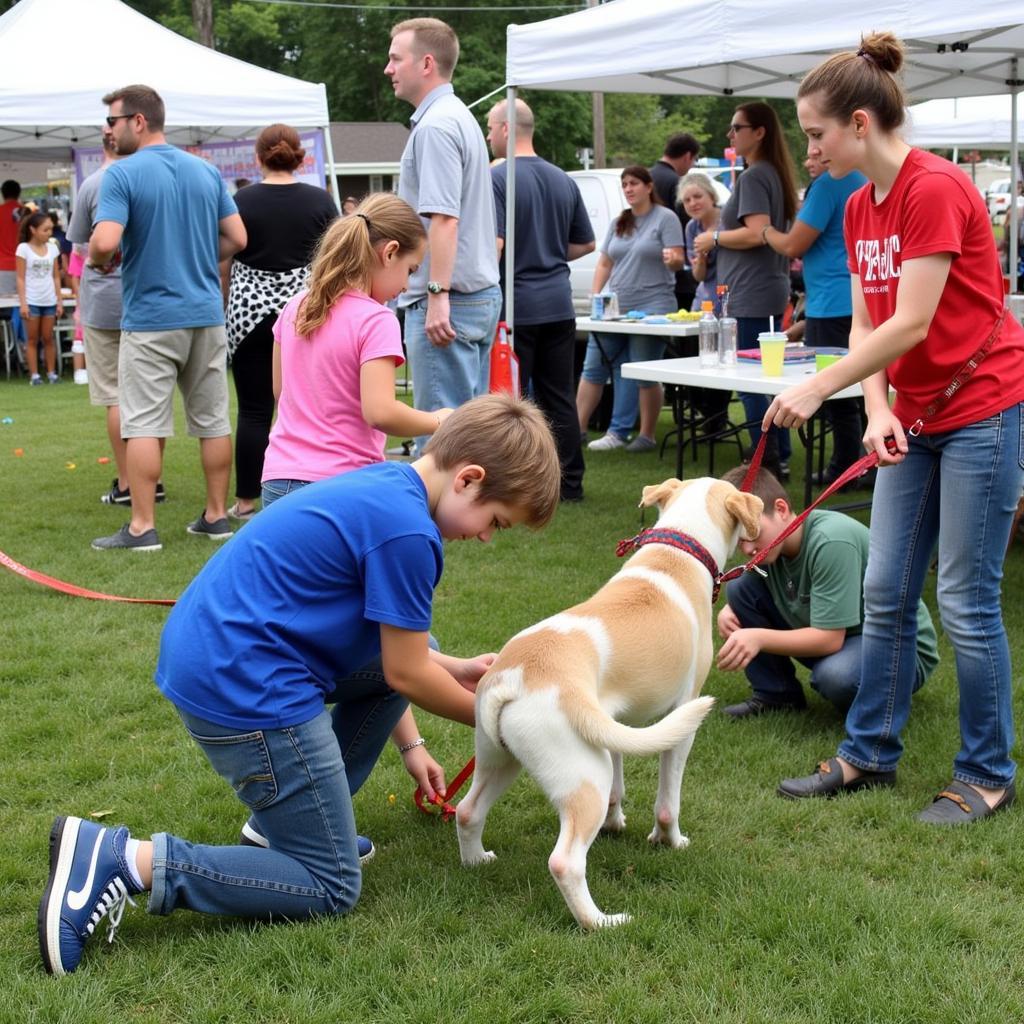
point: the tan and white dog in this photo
(565, 698)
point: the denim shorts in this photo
(41, 310)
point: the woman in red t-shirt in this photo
(927, 297)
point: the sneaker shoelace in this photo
(110, 905)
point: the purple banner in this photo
(234, 160)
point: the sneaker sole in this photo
(139, 547)
(63, 839)
(212, 536)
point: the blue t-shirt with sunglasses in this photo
(170, 204)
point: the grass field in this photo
(790, 913)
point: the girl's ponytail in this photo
(347, 254)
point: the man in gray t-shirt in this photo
(452, 302)
(99, 309)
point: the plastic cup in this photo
(773, 352)
(823, 359)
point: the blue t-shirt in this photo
(826, 276)
(549, 215)
(170, 204)
(294, 602)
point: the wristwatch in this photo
(436, 288)
(714, 238)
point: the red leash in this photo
(446, 808)
(69, 588)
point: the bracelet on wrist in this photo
(406, 747)
(764, 234)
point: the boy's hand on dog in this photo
(469, 671)
(742, 646)
(728, 622)
(426, 772)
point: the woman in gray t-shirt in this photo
(639, 257)
(757, 276)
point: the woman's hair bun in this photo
(884, 50)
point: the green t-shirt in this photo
(823, 586)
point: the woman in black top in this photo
(284, 220)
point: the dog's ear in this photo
(660, 494)
(746, 509)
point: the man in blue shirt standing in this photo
(552, 227)
(452, 302)
(169, 219)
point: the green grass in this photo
(778, 912)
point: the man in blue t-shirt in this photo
(552, 228)
(817, 236)
(167, 217)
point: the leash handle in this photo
(443, 803)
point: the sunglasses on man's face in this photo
(112, 119)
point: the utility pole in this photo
(597, 105)
(202, 18)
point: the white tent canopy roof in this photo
(208, 95)
(977, 122)
(763, 47)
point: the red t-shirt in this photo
(933, 208)
(9, 224)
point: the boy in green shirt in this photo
(809, 608)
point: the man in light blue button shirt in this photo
(453, 301)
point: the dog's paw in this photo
(615, 820)
(483, 857)
(607, 921)
(668, 837)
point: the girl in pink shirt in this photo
(337, 346)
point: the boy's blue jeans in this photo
(956, 490)
(297, 784)
(772, 677)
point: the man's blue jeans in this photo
(446, 377)
(956, 490)
(297, 784)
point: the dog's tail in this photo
(493, 697)
(597, 727)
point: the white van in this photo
(601, 189)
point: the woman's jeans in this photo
(297, 784)
(603, 362)
(274, 490)
(956, 490)
(755, 406)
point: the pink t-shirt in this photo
(320, 430)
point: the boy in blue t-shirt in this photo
(289, 616)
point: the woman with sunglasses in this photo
(758, 277)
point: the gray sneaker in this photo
(219, 529)
(126, 540)
(641, 444)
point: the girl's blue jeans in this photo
(297, 784)
(603, 363)
(956, 492)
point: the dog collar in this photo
(680, 541)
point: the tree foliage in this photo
(346, 49)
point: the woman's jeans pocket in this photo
(243, 761)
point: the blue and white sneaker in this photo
(89, 880)
(251, 837)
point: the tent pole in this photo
(1014, 219)
(510, 213)
(332, 181)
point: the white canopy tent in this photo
(762, 48)
(208, 95)
(969, 122)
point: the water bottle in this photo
(726, 330)
(707, 327)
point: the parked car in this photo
(601, 189)
(998, 198)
